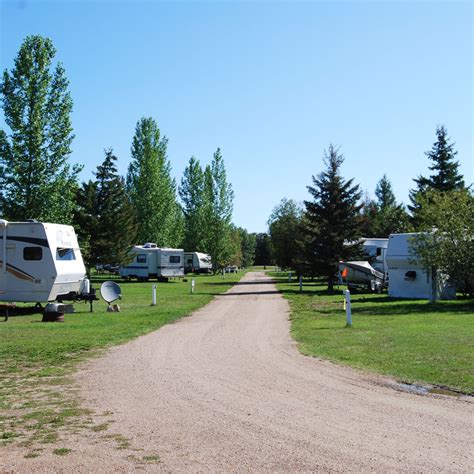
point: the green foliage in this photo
(37, 181)
(217, 208)
(105, 218)
(151, 188)
(332, 219)
(248, 243)
(191, 192)
(447, 243)
(446, 176)
(384, 216)
(410, 339)
(284, 226)
(263, 249)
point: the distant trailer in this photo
(196, 262)
(39, 262)
(150, 261)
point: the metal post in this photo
(193, 284)
(153, 299)
(348, 309)
(301, 282)
(289, 277)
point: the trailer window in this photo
(175, 259)
(141, 258)
(32, 253)
(65, 254)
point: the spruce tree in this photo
(191, 193)
(105, 216)
(151, 188)
(390, 217)
(445, 177)
(332, 219)
(38, 182)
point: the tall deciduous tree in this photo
(332, 218)
(105, 217)
(263, 249)
(445, 177)
(218, 204)
(151, 188)
(191, 192)
(38, 182)
(284, 227)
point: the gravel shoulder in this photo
(226, 390)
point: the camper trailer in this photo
(371, 273)
(376, 249)
(196, 262)
(39, 262)
(151, 261)
(407, 278)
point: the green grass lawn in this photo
(36, 359)
(410, 339)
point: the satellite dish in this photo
(110, 291)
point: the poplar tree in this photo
(218, 204)
(332, 220)
(191, 192)
(37, 180)
(151, 188)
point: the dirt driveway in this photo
(227, 390)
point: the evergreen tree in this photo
(191, 193)
(105, 216)
(38, 183)
(218, 203)
(332, 219)
(151, 188)
(446, 176)
(85, 220)
(390, 217)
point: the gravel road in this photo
(227, 390)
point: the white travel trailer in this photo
(196, 262)
(39, 262)
(151, 261)
(408, 279)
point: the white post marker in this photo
(193, 284)
(301, 282)
(348, 308)
(289, 277)
(153, 296)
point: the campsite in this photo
(236, 237)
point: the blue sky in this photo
(270, 83)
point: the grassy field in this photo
(410, 339)
(37, 397)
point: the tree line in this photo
(111, 212)
(313, 237)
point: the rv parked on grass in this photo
(151, 261)
(39, 262)
(407, 278)
(196, 262)
(371, 273)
